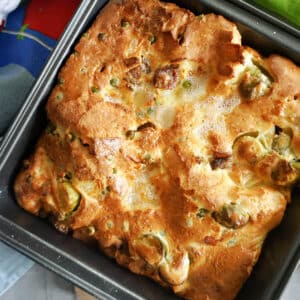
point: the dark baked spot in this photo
(210, 240)
(278, 130)
(146, 65)
(101, 36)
(26, 164)
(129, 62)
(283, 173)
(135, 73)
(220, 162)
(130, 134)
(102, 68)
(146, 125)
(180, 39)
(83, 143)
(152, 39)
(60, 223)
(198, 159)
(125, 23)
(136, 68)
(231, 216)
(166, 77)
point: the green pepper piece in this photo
(202, 212)
(152, 39)
(94, 89)
(281, 142)
(231, 216)
(125, 24)
(69, 198)
(101, 36)
(187, 84)
(114, 82)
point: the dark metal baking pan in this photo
(87, 267)
(269, 15)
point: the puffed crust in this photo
(170, 146)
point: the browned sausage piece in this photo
(166, 77)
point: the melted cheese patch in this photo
(141, 194)
(164, 116)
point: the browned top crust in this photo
(170, 145)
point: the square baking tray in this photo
(87, 267)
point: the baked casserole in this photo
(169, 145)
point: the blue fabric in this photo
(28, 54)
(15, 18)
(31, 51)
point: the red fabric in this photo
(50, 17)
(2, 23)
